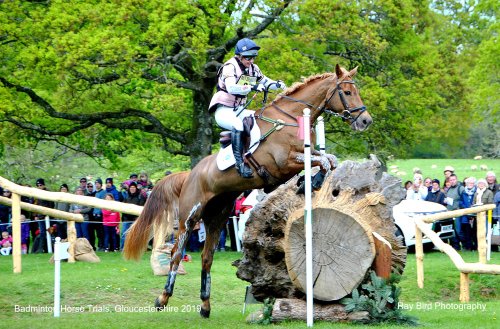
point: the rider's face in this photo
(247, 60)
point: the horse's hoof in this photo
(205, 313)
(158, 305)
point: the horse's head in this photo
(343, 100)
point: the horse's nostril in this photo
(365, 122)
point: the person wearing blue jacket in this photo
(466, 201)
(110, 188)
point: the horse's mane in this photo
(298, 85)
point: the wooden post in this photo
(419, 255)
(16, 232)
(464, 287)
(71, 239)
(481, 236)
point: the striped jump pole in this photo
(308, 218)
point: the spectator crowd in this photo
(105, 230)
(458, 194)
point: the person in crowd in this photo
(467, 236)
(40, 218)
(448, 171)
(483, 194)
(491, 180)
(82, 228)
(83, 185)
(428, 183)
(453, 197)
(435, 194)
(124, 189)
(5, 211)
(100, 193)
(110, 188)
(62, 226)
(134, 197)
(133, 177)
(6, 244)
(236, 78)
(496, 211)
(446, 185)
(25, 234)
(408, 185)
(144, 184)
(418, 190)
(90, 189)
(110, 220)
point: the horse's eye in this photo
(348, 92)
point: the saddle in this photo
(225, 136)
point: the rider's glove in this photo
(258, 87)
(280, 84)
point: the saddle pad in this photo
(225, 157)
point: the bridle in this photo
(346, 115)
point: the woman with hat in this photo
(236, 78)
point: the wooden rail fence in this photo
(465, 268)
(16, 204)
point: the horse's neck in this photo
(313, 93)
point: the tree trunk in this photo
(200, 144)
(343, 250)
(295, 309)
(354, 190)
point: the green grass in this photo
(434, 167)
(117, 282)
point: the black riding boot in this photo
(237, 143)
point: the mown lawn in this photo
(434, 168)
(102, 289)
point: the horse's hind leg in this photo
(180, 245)
(207, 257)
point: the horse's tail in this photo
(158, 216)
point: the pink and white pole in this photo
(308, 218)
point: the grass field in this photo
(100, 291)
(434, 168)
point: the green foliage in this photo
(380, 299)
(267, 312)
(136, 74)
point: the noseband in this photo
(346, 115)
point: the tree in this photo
(84, 74)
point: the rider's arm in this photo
(272, 84)
(229, 79)
(235, 89)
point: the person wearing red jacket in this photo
(110, 220)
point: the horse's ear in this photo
(353, 71)
(338, 71)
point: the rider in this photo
(236, 78)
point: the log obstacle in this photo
(353, 232)
(16, 204)
(464, 268)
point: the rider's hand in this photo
(280, 84)
(259, 87)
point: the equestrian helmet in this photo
(246, 47)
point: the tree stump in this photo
(343, 251)
(355, 191)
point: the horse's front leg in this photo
(326, 162)
(180, 245)
(207, 257)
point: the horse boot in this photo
(237, 142)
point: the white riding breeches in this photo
(227, 119)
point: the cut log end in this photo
(343, 251)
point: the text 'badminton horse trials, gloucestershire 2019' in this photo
(207, 192)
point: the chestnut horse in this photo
(208, 193)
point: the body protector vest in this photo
(243, 77)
